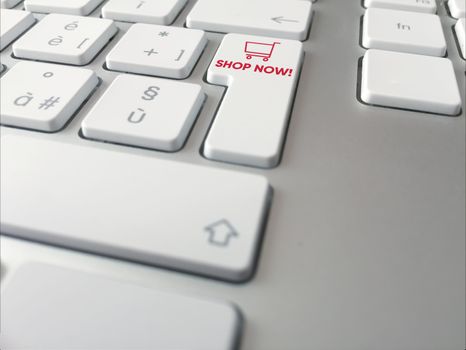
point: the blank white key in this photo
(157, 50)
(460, 30)
(181, 216)
(427, 6)
(69, 7)
(281, 19)
(8, 4)
(403, 31)
(148, 11)
(261, 74)
(65, 39)
(139, 111)
(410, 81)
(12, 24)
(43, 96)
(457, 8)
(49, 307)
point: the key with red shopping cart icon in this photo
(261, 76)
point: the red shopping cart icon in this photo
(256, 49)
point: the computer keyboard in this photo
(217, 174)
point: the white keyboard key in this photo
(49, 307)
(410, 81)
(69, 7)
(145, 116)
(65, 39)
(157, 50)
(43, 96)
(427, 6)
(12, 24)
(182, 216)
(153, 12)
(457, 8)
(261, 74)
(403, 31)
(280, 19)
(8, 4)
(460, 30)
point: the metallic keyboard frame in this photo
(365, 242)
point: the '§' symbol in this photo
(50, 102)
(221, 233)
(150, 93)
(256, 49)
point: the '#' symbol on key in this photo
(50, 102)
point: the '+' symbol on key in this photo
(50, 102)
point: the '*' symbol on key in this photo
(50, 102)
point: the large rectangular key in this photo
(261, 75)
(181, 216)
(48, 307)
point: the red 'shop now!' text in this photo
(257, 68)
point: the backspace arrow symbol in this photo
(280, 20)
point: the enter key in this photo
(261, 75)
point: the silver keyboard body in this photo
(364, 244)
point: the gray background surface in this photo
(365, 243)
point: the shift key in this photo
(170, 214)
